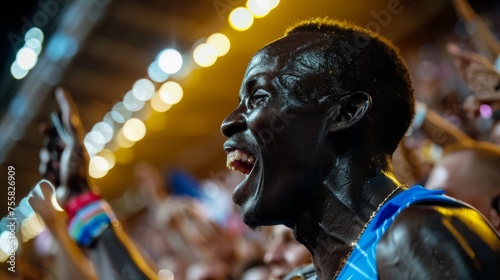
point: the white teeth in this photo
(238, 155)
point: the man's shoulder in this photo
(442, 219)
(438, 237)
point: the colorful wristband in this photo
(90, 221)
(80, 201)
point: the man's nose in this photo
(233, 123)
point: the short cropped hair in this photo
(362, 60)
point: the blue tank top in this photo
(362, 264)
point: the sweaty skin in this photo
(314, 172)
(262, 125)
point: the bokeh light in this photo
(35, 45)
(205, 55)
(156, 74)
(123, 141)
(26, 58)
(34, 33)
(109, 156)
(220, 42)
(18, 72)
(485, 111)
(259, 8)
(119, 113)
(158, 105)
(7, 242)
(94, 142)
(105, 130)
(240, 19)
(170, 61)
(143, 89)
(98, 167)
(131, 102)
(273, 3)
(171, 92)
(134, 129)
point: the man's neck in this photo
(341, 210)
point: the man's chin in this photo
(251, 220)
(255, 218)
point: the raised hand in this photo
(68, 160)
(40, 199)
(477, 71)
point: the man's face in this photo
(277, 134)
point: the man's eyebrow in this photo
(248, 86)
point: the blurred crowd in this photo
(193, 230)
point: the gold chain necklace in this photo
(353, 244)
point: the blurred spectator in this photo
(256, 270)
(484, 80)
(470, 172)
(194, 236)
(482, 37)
(284, 253)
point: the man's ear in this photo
(351, 109)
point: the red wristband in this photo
(79, 201)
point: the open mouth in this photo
(238, 160)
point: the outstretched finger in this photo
(70, 116)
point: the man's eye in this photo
(260, 96)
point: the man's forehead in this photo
(295, 43)
(299, 49)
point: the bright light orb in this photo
(170, 61)
(240, 19)
(99, 163)
(120, 113)
(259, 8)
(17, 72)
(34, 33)
(134, 129)
(171, 92)
(105, 129)
(220, 42)
(109, 156)
(274, 3)
(165, 274)
(26, 58)
(91, 144)
(158, 105)
(98, 167)
(123, 141)
(8, 243)
(131, 102)
(35, 45)
(205, 55)
(143, 89)
(156, 74)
